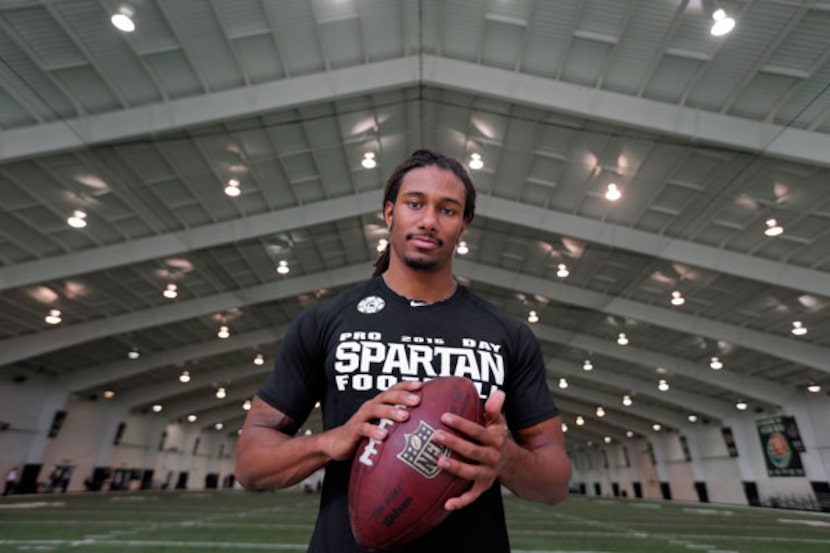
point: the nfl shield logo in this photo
(421, 453)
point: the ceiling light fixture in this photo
(814, 388)
(232, 189)
(607, 439)
(123, 20)
(221, 393)
(692, 417)
(629, 434)
(283, 268)
(219, 426)
(622, 339)
(184, 378)
(587, 366)
(741, 405)
(580, 421)
(476, 162)
(382, 243)
(723, 23)
(54, 317)
(171, 291)
(259, 360)
(773, 228)
(677, 298)
(462, 248)
(224, 332)
(533, 317)
(109, 394)
(369, 161)
(157, 408)
(562, 271)
(564, 427)
(192, 418)
(563, 383)
(77, 219)
(613, 193)
(627, 401)
(133, 354)
(798, 328)
(715, 364)
(600, 411)
(663, 385)
(657, 427)
(246, 405)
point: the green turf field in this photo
(199, 522)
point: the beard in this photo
(420, 264)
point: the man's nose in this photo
(429, 219)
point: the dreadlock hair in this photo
(425, 158)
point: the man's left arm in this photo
(533, 465)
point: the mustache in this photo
(426, 236)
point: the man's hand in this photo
(483, 447)
(341, 442)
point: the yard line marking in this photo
(156, 543)
(801, 521)
(32, 505)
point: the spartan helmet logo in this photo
(421, 454)
(371, 304)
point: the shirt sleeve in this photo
(295, 383)
(528, 399)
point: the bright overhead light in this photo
(798, 328)
(157, 408)
(369, 161)
(259, 360)
(382, 243)
(218, 426)
(563, 383)
(692, 417)
(587, 366)
(657, 427)
(564, 427)
(600, 411)
(192, 418)
(627, 401)
(232, 189)
(123, 20)
(533, 317)
(629, 434)
(171, 291)
(613, 193)
(283, 268)
(814, 388)
(741, 406)
(773, 228)
(246, 405)
(476, 162)
(562, 271)
(133, 354)
(224, 332)
(663, 385)
(723, 23)
(77, 219)
(462, 248)
(715, 364)
(54, 317)
(677, 298)
(221, 393)
(184, 378)
(622, 339)
(580, 421)
(607, 439)
(109, 394)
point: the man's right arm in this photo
(269, 457)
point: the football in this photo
(396, 489)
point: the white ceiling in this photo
(706, 137)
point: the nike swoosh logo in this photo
(416, 303)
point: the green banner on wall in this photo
(780, 452)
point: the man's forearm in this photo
(269, 459)
(540, 474)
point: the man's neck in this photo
(425, 286)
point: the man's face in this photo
(427, 218)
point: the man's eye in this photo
(449, 211)
(414, 203)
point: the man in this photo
(11, 481)
(364, 354)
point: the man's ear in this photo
(388, 210)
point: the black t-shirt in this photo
(344, 351)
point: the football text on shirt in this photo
(365, 361)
